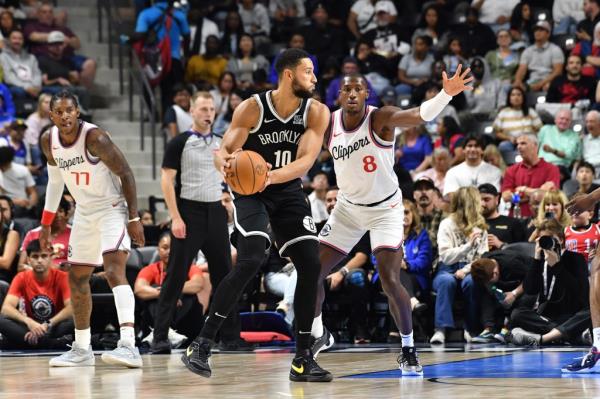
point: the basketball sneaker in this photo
(196, 356)
(76, 357)
(409, 362)
(123, 355)
(305, 369)
(585, 365)
(520, 337)
(485, 337)
(322, 343)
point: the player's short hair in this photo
(33, 246)
(356, 75)
(289, 59)
(64, 94)
(201, 94)
(482, 270)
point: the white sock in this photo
(317, 327)
(596, 334)
(125, 304)
(83, 338)
(407, 340)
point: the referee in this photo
(193, 190)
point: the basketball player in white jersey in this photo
(361, 142)
(83, 157)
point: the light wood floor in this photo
(264, 374)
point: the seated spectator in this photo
(432, 89)
(7, 106)
(177, 118)
(231, 34)
(415, 68)
(522, 23)
(361, 18)
(7, 25)
(559, 144)
(222, 92)
(9, 245)
(245, 62)
(542, 61)
(432, 24)
(387, 37)
(492, 155)
(478, 38)
(60, 232)
(430, 216)
(585, 27)
(561, 311)
(16, 134)
(452, 138)
(498, 278)
(418, 257)
(349, 67)
(502, 229)
(35, 123)
(583, 236)
(318, 208)
(483, 100)
(200, 28)
(324, 40)
(591, 141)
(48, 311)
(21, 71)
(37, 33)
(553, 206)
(413, 150)
(440, 161)
(206, 68)
(566, 14)
(572, 86)
(514, 120)
(296, 41)
(285, 15)
(473, 171)
(372, 65)
(495, 14)
(17, 183)
(257, 23)
(462, 239)
(584, 176)
(589, 51)
(223, 121)
(529, 176)
(187, 318)
(58, 70)
(503, 61)
(7, 208)
(453, 56)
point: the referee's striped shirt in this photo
(191, 154)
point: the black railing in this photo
(138, 83)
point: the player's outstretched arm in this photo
(309, 146)
(245, 117)
(100, 145)
(389, 117)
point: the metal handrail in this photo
(137, 79)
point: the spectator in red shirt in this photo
(572, 86)
(60, 232)
(47, 297)
(529, 175)
(188, 317)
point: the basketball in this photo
(247, 173)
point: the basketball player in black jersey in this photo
(286, 127)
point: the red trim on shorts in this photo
(333, 247)
(116, 248)
(83, 264)
(394, 249)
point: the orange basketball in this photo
(247, 173)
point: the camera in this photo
(549, 242)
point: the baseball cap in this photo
(488, 188)
(384, 6)
(543, 25)
(18, 124)
(423, 183)
(388, 94)
(56, 36)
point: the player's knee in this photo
(114, 274)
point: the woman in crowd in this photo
(431, 25)
(451, 137)
(503, 61)
(414, 150)
(462, 238)
(224, 120)
(440, 164)
(552, 206)
(221, 93)
(231, 35)
(246, 62)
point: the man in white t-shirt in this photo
(17, 183)
(474, 171)
(318, 207)
(362, 15)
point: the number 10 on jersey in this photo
(282, 158)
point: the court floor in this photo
(465, 371)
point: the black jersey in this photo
(275, 138)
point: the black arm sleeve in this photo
(172, 158)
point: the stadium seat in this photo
(148, 255)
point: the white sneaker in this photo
(467, 337)
(124, 355)
(76, 357)
(438, 338)
(175, 338)
(149, 337)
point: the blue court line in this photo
(513, 365)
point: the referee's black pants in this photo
(206, 229)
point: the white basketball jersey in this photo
(88, 179)
(363, 162)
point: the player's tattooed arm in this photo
(45, 144)
(309, 146)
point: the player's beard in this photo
(301, 92)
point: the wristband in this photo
(344, 270)
(47, 218)
(135, 219)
